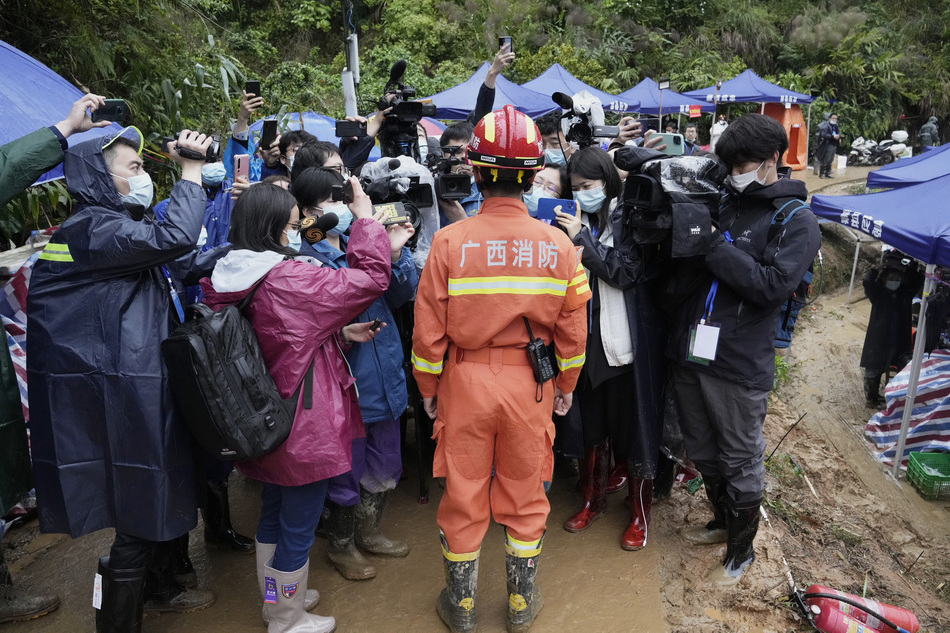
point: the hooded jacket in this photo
(757, 274)
(109, 448)
(297, 313)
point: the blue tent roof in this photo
(913, 170)
(747, 87)
(558, 79)
(321, 126)
(33, 96)
(914, 219)
(647, 92)
(455, 103)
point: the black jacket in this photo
(890, 326)
(757, 274)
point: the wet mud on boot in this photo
(342, 553)
(287, 592)
(593, 489)
(369, 539)
(162, 593)
(641, 500)
(715, 531)
(264, 555)
(456, 603)
(16, 604)
(524, 597)
(742, 527)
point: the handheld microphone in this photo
(314, 229)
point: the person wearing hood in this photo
(828, 138)
(928, 135)
(302, 317)
(723, 327)
(620, 388)
(22, 161)
(109, 447)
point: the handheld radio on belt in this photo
(539, 356)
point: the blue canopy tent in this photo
(648, 94)
(456, 103)
(33, 96)
(890, 216)
(913, 170)
(558, 79)
(747, 87)
(321, 126)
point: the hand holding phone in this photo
(112, 110)
(241, 166)
(268, 134)
(548, 208)
(252, 88)
(505, 40)
(673, 143)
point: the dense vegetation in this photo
(183, 63)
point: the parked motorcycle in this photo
(870, 152)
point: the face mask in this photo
(591, 199)
(290, 164)
(293, 239)
(212, 174)
(202, 237)
(140, 190)
(531, 199)
(423, 152)
(892, 285)
(345, 215)
(740, 182)
(554, 156)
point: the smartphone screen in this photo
(506, 39)
(253, 87)
(241, 164)
(547, 207)
(268, 133)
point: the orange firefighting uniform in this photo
(482, 275)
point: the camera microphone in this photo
(563, 100)
(314, 229)
(397, 71)
(394, 164)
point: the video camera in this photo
(581, 119)
(407, 191)
(449, 186)
(398, 135)
(213, 154)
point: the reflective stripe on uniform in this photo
(570, 363)
(507, 285)
(522, 549)
(458, 558)
(56, 253)
(426, 366)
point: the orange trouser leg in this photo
(488, 416)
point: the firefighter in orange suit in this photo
(488, 279)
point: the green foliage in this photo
(35, 208)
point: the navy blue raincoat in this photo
(109, 448)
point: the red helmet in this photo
(507, 139)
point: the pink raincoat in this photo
(297, 313)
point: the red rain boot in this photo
(594, 482)
(617, 479)
(641, 498)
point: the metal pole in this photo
(914, 368)
(661, 111)
(854, 266)
(808, 135)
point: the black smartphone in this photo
(342, 193)
(506, 39)
(268, 133)
(375, 325)
(113, 110)
(649, 123)
(345, 129)
(252, 87)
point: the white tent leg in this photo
(808, 136)
(854, 266)
(915, 364)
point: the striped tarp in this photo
(13, 315)
(930, 420)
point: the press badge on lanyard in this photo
(704, 335)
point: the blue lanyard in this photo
(713, 288)
(174, 294)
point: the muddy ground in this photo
(860, 531)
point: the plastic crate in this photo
(928, 485)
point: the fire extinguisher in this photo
(872, 616)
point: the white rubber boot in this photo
(288, 615)
(265, 553)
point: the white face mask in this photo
(141, 190)
(740, 182)
(294, 240)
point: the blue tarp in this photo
(913, 170)
(455, 103)
(914, 220)
(747, 87)
(33, 96)
(321, 126)
(557, 79)
(647, 93)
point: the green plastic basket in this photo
(930, 486)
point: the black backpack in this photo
(218, 377)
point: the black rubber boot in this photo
(665, 476)
(872, 391)
(456, 603)
(369, 513)
(716, 530)
(340, 525)
(16, 604)
(217, 516)
(162, 593)
(122, 599)
(184, 571)
(742, 527)
(524, 597)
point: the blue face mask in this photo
(212, 174)
(554, 156)
(345, 215)
(590, 200)
(140, 192)
(294, 240)
(531, 199)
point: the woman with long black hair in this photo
(620, 390)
